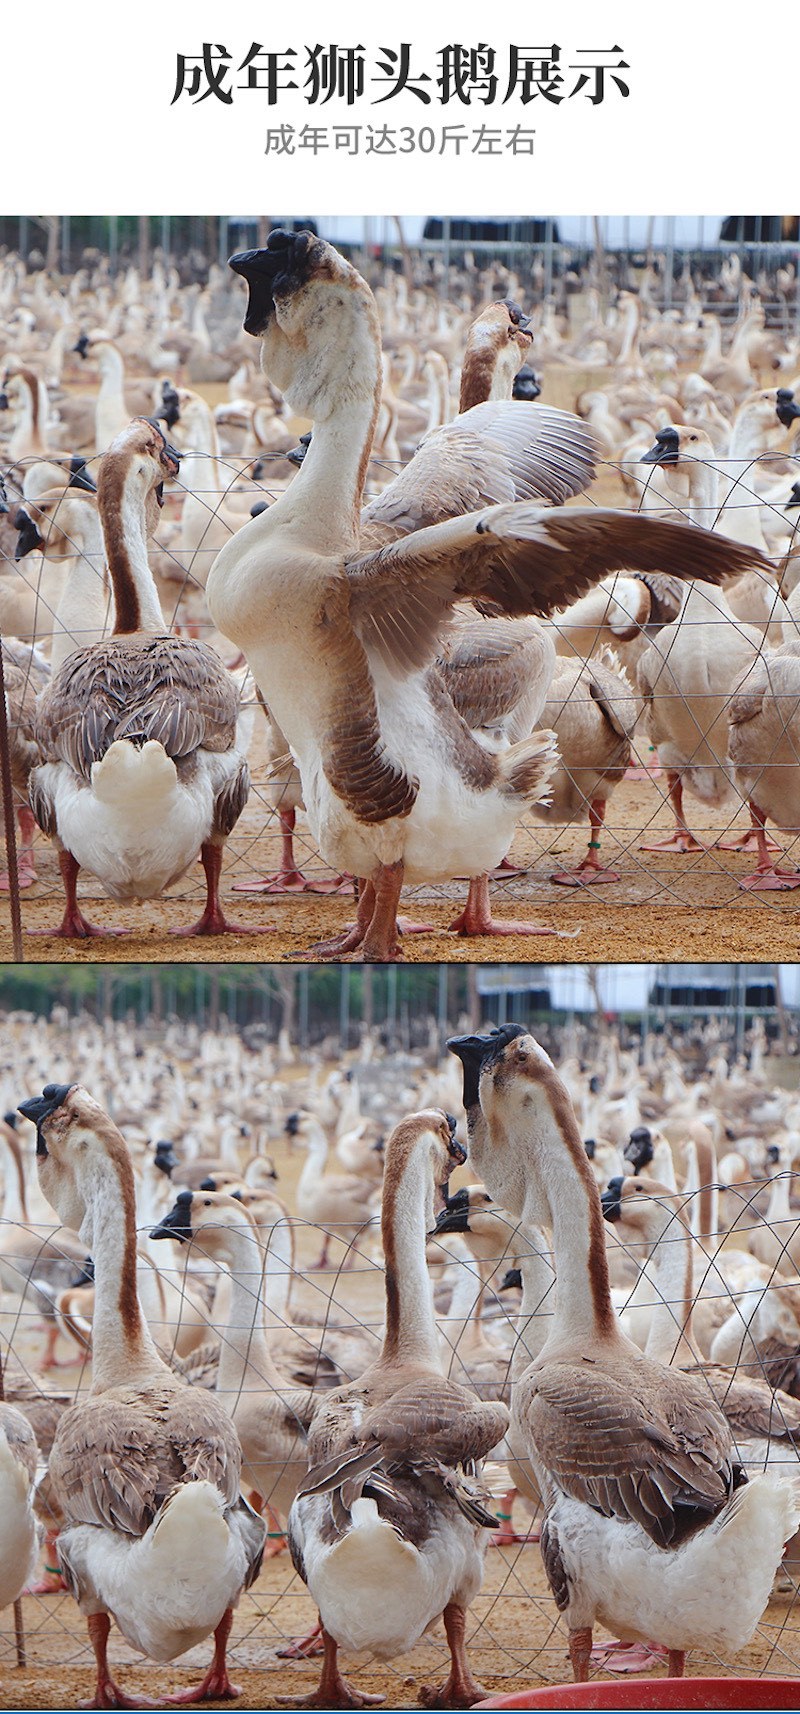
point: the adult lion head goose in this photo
(386, 1528)
(645, 1501)
(145, 1469)
(141, 761)
(341, 641)
(271, 1415)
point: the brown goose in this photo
(141, 767)
(386, 1528)
(645, 1500)
(342, 641)
(145, 1471)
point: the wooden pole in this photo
(10, 820)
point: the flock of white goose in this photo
(236, 1390)
(431, 664)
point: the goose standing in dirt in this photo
(342, 641)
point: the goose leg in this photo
(213, 919)
(681, 840)
(333, 1691)
(476, 917)
(26, 862)
(302, 1648)
(352, 936)
(216, 1686)
(676, 1663)
(289, 878)
(580, 1651)
(590, 871)
(107, 1692)
(73, 921)
(460, 1689)
(768, 878)
(380, 944)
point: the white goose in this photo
(141, 761)
(341, 640)
(651, 1526)
(19, 1536)
(386, 1528)
(145, 1470)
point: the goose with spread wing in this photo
(342, 637)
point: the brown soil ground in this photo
(663, 907)
(516, 1641)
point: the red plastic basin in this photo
(781, 1693)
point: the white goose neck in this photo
(245, 1363)
(123, 1352)
(411, 1332)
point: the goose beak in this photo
(261, 269)
(82, 345)
(40, 1107)
(787, 409)
(178, 1223)
(28, 537)
(165, 1158)
(666, 449)
(611, 1200)
(510, 1280)
(3, 400)
(454, 1217)
(79, 476)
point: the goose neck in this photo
(123, 1351)
(330, 484)
(245, 1363)
(121, 506)
(411, 1332)
(670, 1337)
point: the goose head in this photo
(317, 321)
(82, 1160)
(498, 341)
(207, 1220)
(639, 1148)
(430, 1136)
(678, 443)
(643, 1209)
(133, 471)
(512, 1091)
(49, 523)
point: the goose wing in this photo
(521, 559)
(20, 1438)
(116, 1459)
(171, 689)
(491, 665)
(495, 452)
(640, 1445)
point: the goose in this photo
(141, 766)
(645, 1501)
(339, 1203)
(386, 1527)
(764, 1421)
(395, 785)
(144, 1469)
(270, 1415)
(25, 674)
(37, 1259)
(593, 711)
(763, 753)
(66, 529)
(19, 1536)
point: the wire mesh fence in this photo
(676, 722)
(732, 1219)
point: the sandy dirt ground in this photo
(663, 907)
(515, 1641)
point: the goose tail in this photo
(527, 768)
